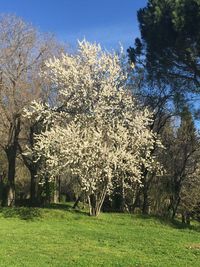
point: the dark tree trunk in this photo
(93, 205)
(32, 166)
(175, 207)
(145, 205)
(11, 157)
(136, 200)
(1, 189)
(176, 197)
(186, 217)
(147, 180)
(183, 217)
(80, 198)
(33, 188)
(11, 153)
(145, 202)
(59, 189)
(77, 202)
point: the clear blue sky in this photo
(108, 22)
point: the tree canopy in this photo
(171, 39)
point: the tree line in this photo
(115, 131)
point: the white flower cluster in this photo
(104, 135)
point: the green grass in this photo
(60, 237)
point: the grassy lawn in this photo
(60, 237)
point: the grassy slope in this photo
(64, 238)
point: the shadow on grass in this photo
(67, 207)
(173, 223)
(32, 213)
(59, 206)
(24, 213)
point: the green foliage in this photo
(181, 162)
(63, 238)
(171, 37)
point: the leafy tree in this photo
(170, 41)
(184, 158)
(189, 196)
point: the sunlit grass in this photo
(59, 236)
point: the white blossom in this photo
(104, 134)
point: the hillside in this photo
(60, 237)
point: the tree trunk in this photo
(11, 153)
(95, 202)
(77, 202)
(175, 207)
(123, 206)
(93, 205)
(186, 217)
(1, 189)
(136, 200)
(145, 206)
(59, 189)
(56, 191)
(183, 217)
(32, 167)
(33, 188)
(175, 199)
(147, 180)
(11, 156)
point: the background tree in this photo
(170, 36)
(184, 158)
(22, 53)
(189, 197)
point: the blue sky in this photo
(108, 22)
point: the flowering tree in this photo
(98, 134)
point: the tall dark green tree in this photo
(170, 41)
